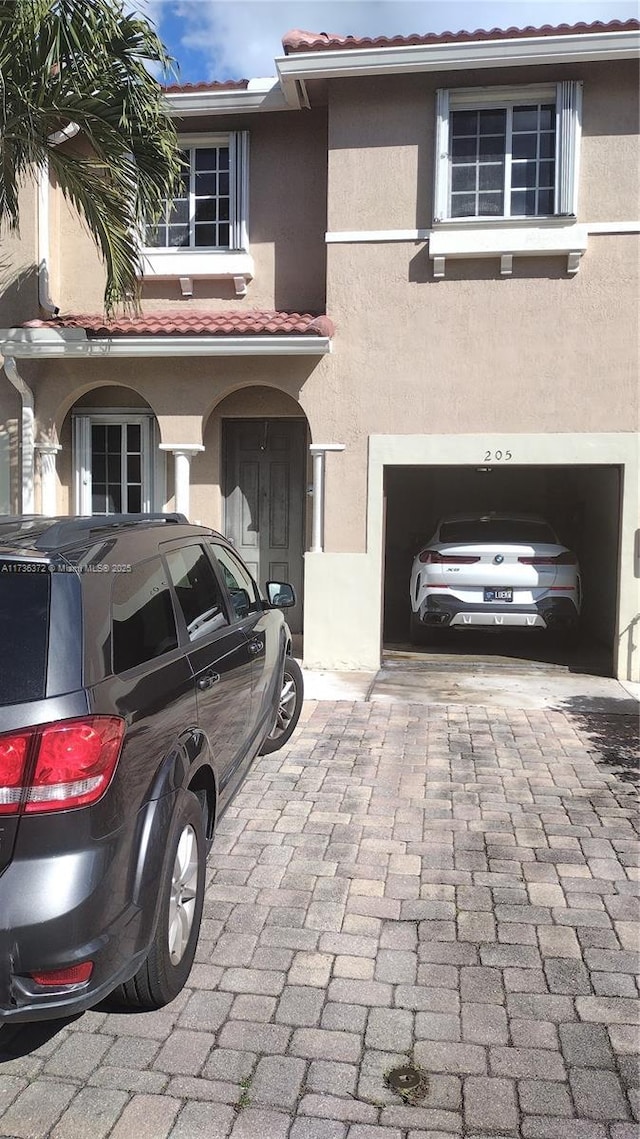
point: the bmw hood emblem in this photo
(498, 559)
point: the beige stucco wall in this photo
(287, 221)
(182, 392)
(542, 363)
(18, 263)
(382, 132)
(535, 352)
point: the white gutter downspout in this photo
(27, 434)
(44, 296)
(318, 452)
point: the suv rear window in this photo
(24, 628)
(497, 530)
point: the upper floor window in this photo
(210, 211)
(507, 153)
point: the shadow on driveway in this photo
(612, 725)
(20, 1039)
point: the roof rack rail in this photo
(15, 519)
(64, 531)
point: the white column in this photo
(48, 480)
(27, 435)
(318, 451)
(318, 505)
(182, 456)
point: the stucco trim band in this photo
(373, 236)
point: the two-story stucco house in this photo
(401, 281)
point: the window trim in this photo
(567, 96)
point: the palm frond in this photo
(86, 62)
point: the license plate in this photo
(498, 594)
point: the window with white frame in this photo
(114, 455)
(507, 153)
(210, 210)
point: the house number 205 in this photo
(497, 456)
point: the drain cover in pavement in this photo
(407, 1081)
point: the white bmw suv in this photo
(501, 570)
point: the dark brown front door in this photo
(264, 465)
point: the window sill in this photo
(199, 264)
(507, 238)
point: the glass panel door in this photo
(114, 464)
(132, 486)
(106, 468)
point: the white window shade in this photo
(568, 132)
(441, 189)
(239, 165)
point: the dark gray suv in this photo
(141, 672)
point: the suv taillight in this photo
(566, 559)
(53, 767)
(435, 558)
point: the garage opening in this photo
(582, 504)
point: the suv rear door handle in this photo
(208, 680)
(256, 647)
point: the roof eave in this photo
(260, 95)
(22, 343)
(535, 50)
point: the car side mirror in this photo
(281, 595)
(241, 602)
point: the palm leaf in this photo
(86, 62)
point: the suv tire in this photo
(164, 972)
(289, 707)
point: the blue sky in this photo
(234, 39)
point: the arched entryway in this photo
(261, 436)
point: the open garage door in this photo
(582, 503)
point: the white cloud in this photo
(236, 38)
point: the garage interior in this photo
(582, 503)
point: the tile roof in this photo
(214, 85)
(295, 41)
(193, 323)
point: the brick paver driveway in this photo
(454, 888)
